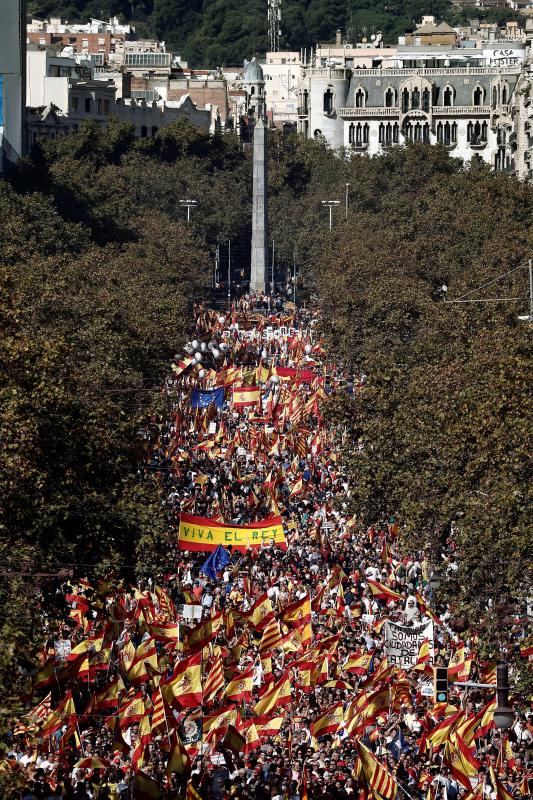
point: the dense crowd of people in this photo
(296, 665)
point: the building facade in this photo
(462, 98)
(12, 81)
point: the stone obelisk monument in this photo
(259, 272)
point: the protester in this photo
(276, 661)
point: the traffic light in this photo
(440, 684)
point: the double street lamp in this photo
(188, 204)
(330, 204)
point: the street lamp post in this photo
(330, 204)
(188, 204)
(346, 202)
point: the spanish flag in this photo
(244, 396)
(131, 711)
(358, 663)
(185, 684)
(165, 631)
(203, 633)
(423, 659)
(329, 721)
(64, 714)
(145, 654)
(145, 788)
(267, 726)
(278, 695)
(240, 688)
(499, 788)
(178, 760)
(461, 762)
(260, 613)
(382, 592)
(297, 613)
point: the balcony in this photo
(369, 111)
(461, 111)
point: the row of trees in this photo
(211, 33)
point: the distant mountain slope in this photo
(216, 32)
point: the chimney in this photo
(338, 39)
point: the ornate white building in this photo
(474, 101)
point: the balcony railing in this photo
(437, 111)
(397, 72)
(461, 111)
(369, 111)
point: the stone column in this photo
(259, 276)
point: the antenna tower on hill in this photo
(274, 21)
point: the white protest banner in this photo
(402, 642)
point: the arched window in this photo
(479, 96)
(505, 95)
(396, 133)
(415, 98)
(381, 133)
(388, 135)
(447, 97)
(351, 133)
(305, 101)
(494, 97)
(408, 132)
(366, 133)
(358, 136)
(425, 133)
(360, 98)
(447, 134)
(426, 96)
(390, 97)
(328, 102)
(484, 131)
(144, 131)
(252, 90)
(405, 101)
(439, 133)
(469, 132)
(454, 133)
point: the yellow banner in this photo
(200, 533)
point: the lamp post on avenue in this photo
(331, 204)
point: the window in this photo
(85, 43)
(415, 98)
(425, 133)
(405, 101)
(494, 97)
(360, 98)
(252, 90)
(75, 103)
(351, 134)
(381, 136)
(154, 130)
(390, 99)
(504, 95)
(366, 133)
(42, 41)
(106, 106)
(144, 131)
(99, 106)
(447, 134)
(396, 133)
(426, 97)
(448, 96)
(88, 104)
(101, 41)
(306, 101)
(328, 102)
(479, 96)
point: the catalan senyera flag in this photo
(271, 638)
(244, 396)
(377, 778)
(177, 369)
(159, 712)
(277, 695)
(329, 721)
(214, 683)
(241, 686)
(184, 686)
(382, 592)
(191, 793)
